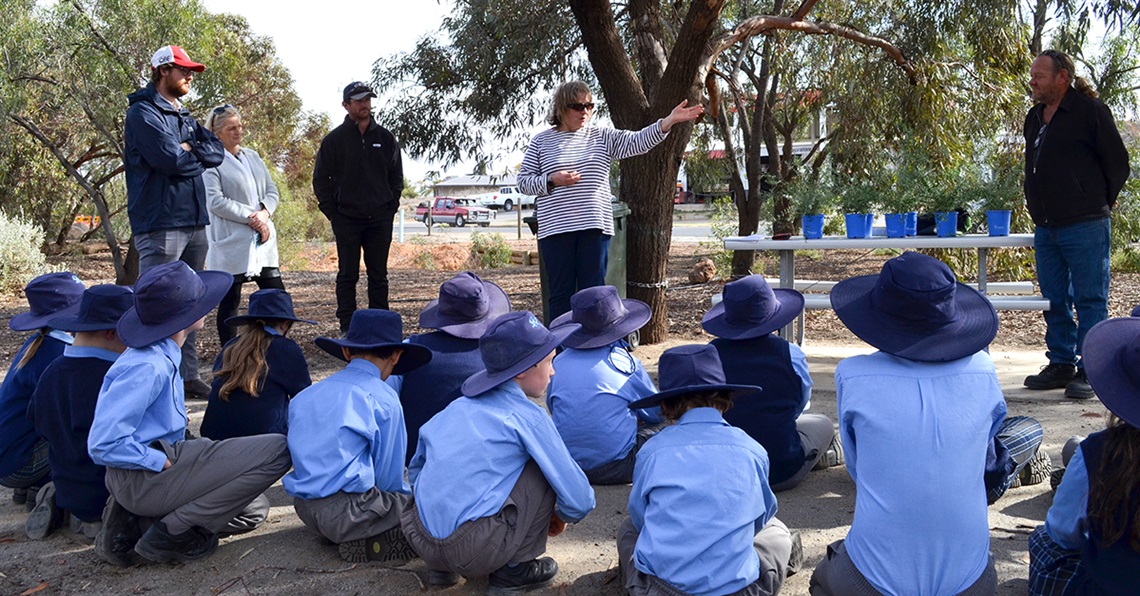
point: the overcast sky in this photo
(330, 43)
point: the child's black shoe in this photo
(523, 577)
(160, 546)
(115, 542)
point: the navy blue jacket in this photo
(244, 415)
(1108, 568)
(164, 181)
(63, 407)
(769, 418)
(17, 433)
(427, 390)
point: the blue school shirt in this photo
(242, 415)
(346, 434)
(915, 436)
(589, 399)
(700, 495)
(62, 408)
(17, 433)
(142, 400)
(471, 454)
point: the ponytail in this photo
(244, 367)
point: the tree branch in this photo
(804, 8)
(93, 192)
(766, 24)
(624, 94)
(124, 64)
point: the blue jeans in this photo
(188, 245)
(574, 261)
(1073, 271)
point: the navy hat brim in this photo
(791, 305)
(27, 321)
(72, 324)
(498, 304)
(638, 314)
(414, 355)
(975, 328)
(239, 320)
(136, 334)
(1107, 371)
(484, 381)
(733, 391)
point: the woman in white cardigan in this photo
(241, 199)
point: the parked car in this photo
(456, 212)
(506, 198)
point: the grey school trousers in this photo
(209, 483)
(343, 517)
(188, 245)
(516, 534)
(773, 544)
(816, 432)
(836, 575)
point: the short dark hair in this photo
(381, 353)
(675, 407)
(156, 73)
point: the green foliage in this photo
(20, 256)
(298, 222)
(861, 197)
(490, 250)
(811, 197)
(1126, 222)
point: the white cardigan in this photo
(230, 205)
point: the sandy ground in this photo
(282, 557)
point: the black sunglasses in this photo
(581, 107)
(222, 109)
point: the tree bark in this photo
(93, 192)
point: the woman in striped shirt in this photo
(568, 167)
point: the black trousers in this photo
(374, 237)
(270, 278)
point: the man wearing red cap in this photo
(166, 153)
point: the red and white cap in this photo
(174, 55)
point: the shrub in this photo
(724, 223)
(20, 255)
(425, 260)
(490, 250)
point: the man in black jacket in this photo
(358, 178)
(1075, 166)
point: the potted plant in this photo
(945, 198)
(898, 204)
(1002, 195)
(858, 202)
(812, 200)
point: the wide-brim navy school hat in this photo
(1111, 356)
(514, 342)
(373, 329)
(749, 307)
(915, 309)
(100, 309)
(50, 295)
(695, 368)
(269, 304)
(466, 306)
(604, 317)
(169, 298)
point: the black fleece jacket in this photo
(1080, 165)
(358, 176)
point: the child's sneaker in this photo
(523, 577)
(1055, 478)
(387, 546)
(833, 456)
(1034, 472)
(442, 578)
(19, 496)
(796, 558)
(44, 516)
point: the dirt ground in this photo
(282, 557)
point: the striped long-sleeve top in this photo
(590, 151)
